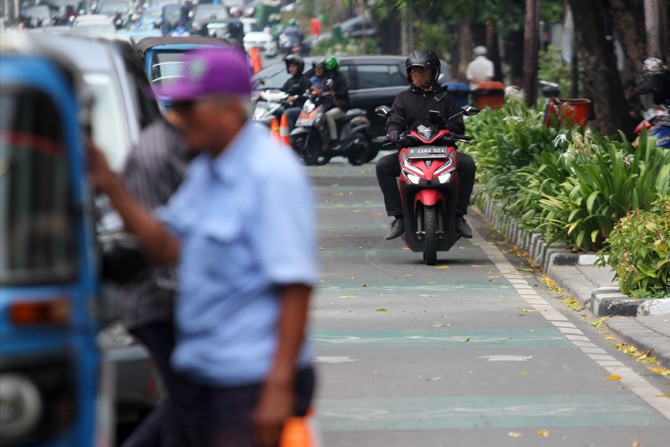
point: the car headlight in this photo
(20, 406)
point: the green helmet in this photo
(332, 64)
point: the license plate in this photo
(427, 152)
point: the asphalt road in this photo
(474, 351)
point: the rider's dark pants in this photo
(292, 115)
(388, 171)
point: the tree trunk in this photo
(596, 55)
(628, 26)
(464, 50)
(390, 42)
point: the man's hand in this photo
(274, 407)
(392, 136)
(101, 175)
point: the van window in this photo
(379, 75)
(37, 228)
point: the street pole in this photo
(530, 51)
(652, 12)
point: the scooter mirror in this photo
(383, 111)
(470, 110)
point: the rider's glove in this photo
(392, 136)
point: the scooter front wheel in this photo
(430, 236)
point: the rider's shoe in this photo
(397, 228)
(463, 228)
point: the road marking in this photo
(506, 358)
(469, 412)
(629, 378)
(334, 359)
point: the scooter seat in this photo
(351, 113)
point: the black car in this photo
(372, 80)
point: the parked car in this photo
(353, 27)
(121, 109)
(372, 80)
(94, 26)
(255, 37)
(203, 13)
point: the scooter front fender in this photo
(299, 131)
(428, 197)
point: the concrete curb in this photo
(644, 338)
(555, 260)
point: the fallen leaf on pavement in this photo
(543, 433)
(514, 434)
(382, 309)
(613, 377)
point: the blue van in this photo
(54, 389)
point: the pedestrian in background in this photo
(153, 171)
(241, 228)
(480, 69)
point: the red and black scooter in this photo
(429, 183)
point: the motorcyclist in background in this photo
(337, 98)
(409, 107)
(318, 80)
(295, 86)
(294, 35)
(655, 83)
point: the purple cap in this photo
(210, 71)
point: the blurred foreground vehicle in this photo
(120, 110)
(163, 56)
(55, 388)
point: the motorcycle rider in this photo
(409, 107)
(318, 80)
(655, 83)
(293, 35)
(337, 98)
(295, 86)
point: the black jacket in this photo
(409, 104)
(340, 91)
(303, 85)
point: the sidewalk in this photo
(589, 284)
(643, 323)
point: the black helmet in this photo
(423, 58)
(319, 62)
(294, 59)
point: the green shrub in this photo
(639, 251)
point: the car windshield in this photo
(111, 8)
(93, 29)
(205, 12)
(37, 244)
(166, 66)
(109, 129)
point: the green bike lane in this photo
(474, 351)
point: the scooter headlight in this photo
(20, 406)
(411, 172)
(309, 107)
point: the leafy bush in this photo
(639, 251)
(345, 47)
(571, 185)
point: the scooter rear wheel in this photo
(430, 236)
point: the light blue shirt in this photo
(246, 223)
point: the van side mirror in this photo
(383, 111)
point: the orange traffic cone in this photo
(300, 432)
(255, 59)
(283, 130)
(274, 129)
